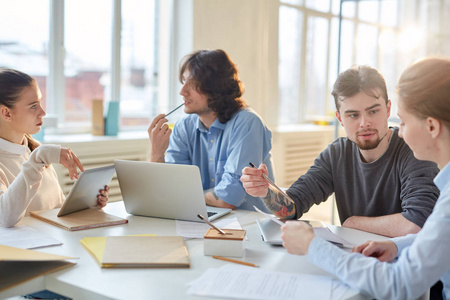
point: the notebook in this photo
(20, 265)
(144, 251)
(163, 190)
(80, 210)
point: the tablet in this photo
(85, 190)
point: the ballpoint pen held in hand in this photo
(273, 184)
(174, 109)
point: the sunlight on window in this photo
(139, 63)
(24, 38)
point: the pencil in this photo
(174, 109)
(235, 261)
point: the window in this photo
(87, 64)
(24, 38)
(83, 39)
(139, 75)
(385, 34)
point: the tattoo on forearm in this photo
(278, 204)
(209, 199)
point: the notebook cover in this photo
(84, 219)
(145, 252)
(20, 265)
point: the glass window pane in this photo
(319, 5)
(335, 4)
(139, 74)
(290, 44)
(348, 9)
(24, 38)
(368, 11)
(333, 68)
(316, 66)
(347, 41)
(87, 39)
(367, 45)
(389, 12)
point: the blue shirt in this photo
(423, 257)
(222, 151)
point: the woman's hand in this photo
(297, 236)
(383, 251)
(69, 160)
(102, 198)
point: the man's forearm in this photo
(212, 199)
(277, 203)
(390, 225)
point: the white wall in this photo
(248, 32)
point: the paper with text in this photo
(241, 282)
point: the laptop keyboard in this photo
(211, 213)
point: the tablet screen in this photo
(85, 190)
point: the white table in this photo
(86, 280)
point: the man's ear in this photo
(388, 105)
(338, 116)
(5, 113)
(434, 127)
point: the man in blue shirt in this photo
(220, 134)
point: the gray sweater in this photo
(395, 183)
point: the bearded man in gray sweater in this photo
(379, 185)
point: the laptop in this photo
(163, 190)
(271, 233)
(85, 190)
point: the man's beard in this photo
(369, 145)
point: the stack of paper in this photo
(19, 265)
(138, 251)
(241, 282)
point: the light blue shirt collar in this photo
(217, 124)
(443, 178)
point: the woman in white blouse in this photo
(27, 179)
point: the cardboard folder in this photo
(84, 219)
(20, 265)
(139, 251)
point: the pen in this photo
(174, 109)
(211, 224)
(235, 261)
(273, 184)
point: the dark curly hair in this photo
(215, 75)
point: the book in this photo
(143, 251)
(83, 219)
(19, 265)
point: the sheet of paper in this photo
(198, 229)
(327, 234)
(24, 237)
(338, 289)
(241, 282)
